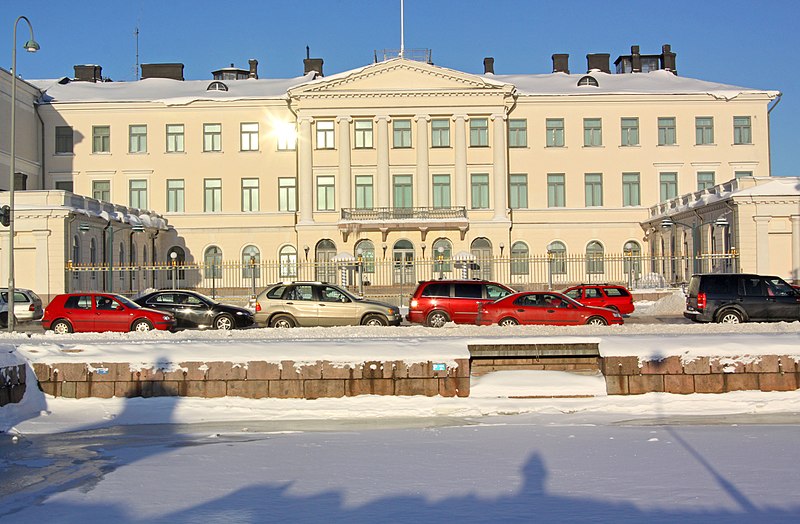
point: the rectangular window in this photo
(250, 198)
(518, 191)
(212, 137)
(401, 130)
(364, 192)
(669, 186)
(138, 194)
(556, 190)
(592, 132)
(440, 132)
(249, 136)
(480, 191)
(101, 190)
(287, 136)
(212, 195)
(175, 196)
(666, 131)
(705, 179)
(175, 138)
(479, 132)
(742, 174)
(64, 140)
(325, 134)
(137, 139)
(554, 128)
(287, 194)
(630, 132)
(64, 185)
(704, 130)
(593, 184)
(441, 191)
(363, 130)
(742, 133)
(326, 193)
(101, 139)
(518, 133)
(403, 192)
(630, 189)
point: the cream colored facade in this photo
(28, 143)
(352, 186)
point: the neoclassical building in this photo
(403, 160)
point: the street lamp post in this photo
(31, 46)
(440, 257)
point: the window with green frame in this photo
(705, 179)
(518, 132)
(440, 132)
(704, 130)
(554, 129)
(402, 133)
(520, 255)
(666, 131)
(518, 191)
(441, 191)
(364, 192)
(742, 132)
(594, 189)
(479, 132)
(668, 185)
(592, 132)
(403, 191)
(630, 189)
(556, 190)
(630, 132)
(326, 193)
(480, 190)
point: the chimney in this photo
(88, 73)
(636, 59)
(488, 65)
(172, 71)
(561, 63)
(668, 59)
(253, 68)
(312, 64)
(598, 61)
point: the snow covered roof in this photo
(655, 82)
(778, 186)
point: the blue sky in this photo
(746, 43)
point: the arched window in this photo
(178, 261)
(588, 81)
(366, 250)
(216, 86)
(287, 258)
(594, 258)
(403, 262)
(251, 262)
(324, 253)
(632, 255)
(519, 258)
(481, 248)
(443, 254)
(557, 253)
(212, 259)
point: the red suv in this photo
(602, 295)
(436, 302)
(102, 312)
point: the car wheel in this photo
(61, 327)
(508, 321)
(729, 317)
(142, 326)
(375, 320)
(596, 321)
(282, 321)
(438, 319)
(224, 322)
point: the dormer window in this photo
(588, 81)
(217, 86)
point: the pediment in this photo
(399, 75)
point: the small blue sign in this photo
(440, 367)
(101, 371)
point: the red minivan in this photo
(436, 302)
(102, 312)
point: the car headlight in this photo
(167, 317)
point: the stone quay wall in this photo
(255, 379)
(12, 384)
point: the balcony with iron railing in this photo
(421, 219)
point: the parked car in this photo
(436, 302)
(545, 307)
(72, 312)
(290, 304)
(736, 297)
(603, 295)
(3, 313)
(192, 309)
(27, 304)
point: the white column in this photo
(384, 186)
(461, 184)
(305, 177)
(500, 171)
(795, 220)
(345, 175)
(423, 167)
(762, 244)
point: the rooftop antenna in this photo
(402, 30)
(136, 34)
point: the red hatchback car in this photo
(602, 295)
(102, 312)
(544, 307)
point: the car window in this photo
(593, 292)
(276, 292)
(719, 285)
(615, 292)
(331, 294)
(467, 290)
(493, 291)
(436, 289)
(78, 302)
(164, 298)
(574, 293)
(527, 300)
(191, 300)
(779, 288)
(18, 297)
(302, 292)
(103, 302)
(553, 301)
(754, 287)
